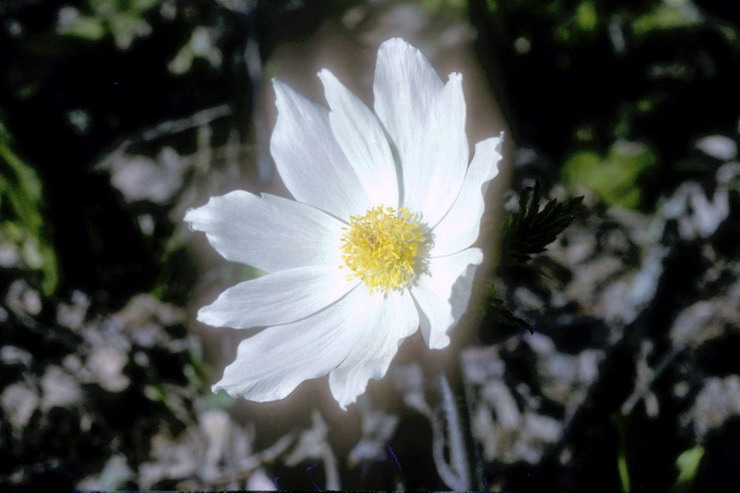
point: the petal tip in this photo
(188, 218)
(476, 255)
(345, 400)
(281, 90)
(439, 341)
(393, 40)
(397, 44)
(205, 316)
(277, 85)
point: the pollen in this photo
(382, 248)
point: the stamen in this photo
(382, 247)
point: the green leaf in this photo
(622, 423)
(688, 465)
(614, 177)
(669, 15)
(86, 27)
(143, 5)
(586, 16)
(21, 203)
(528, 231)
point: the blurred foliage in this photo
(622, 423)
(688, 466)
(122, 19)
(613, 177)
(21, 209)
(448, 6)
(200, 45)
(575, 77)
(96, 79)
(667, 15)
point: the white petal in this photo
(405, 87)
(270, 365)
(375, 347)
(363, 141)
(279, 298)
(444, 293)
(309, 159)
(426, 121)
(460, 227)
(445, 154)
(268, 232)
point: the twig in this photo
(170, 127)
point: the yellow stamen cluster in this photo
(381, 247)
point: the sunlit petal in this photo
(309, 159)
(443, 295)
(363, 141)
(279, 298)
(270, 365)
(376, 345)
(426, 120)
(268, 232)
(460, 227)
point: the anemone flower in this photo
(375, 243)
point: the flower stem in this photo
(451, 422)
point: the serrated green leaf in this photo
(529, 230)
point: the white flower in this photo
(376, 244)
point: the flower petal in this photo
(446, 153)
(375, 346)
(363, 141)
(405, 87)
(426, 120)
(443, 295)
(279, 298)
(460, 227)
(271, 364)
(268, 232)
(309, 159)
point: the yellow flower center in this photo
(382, 247)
